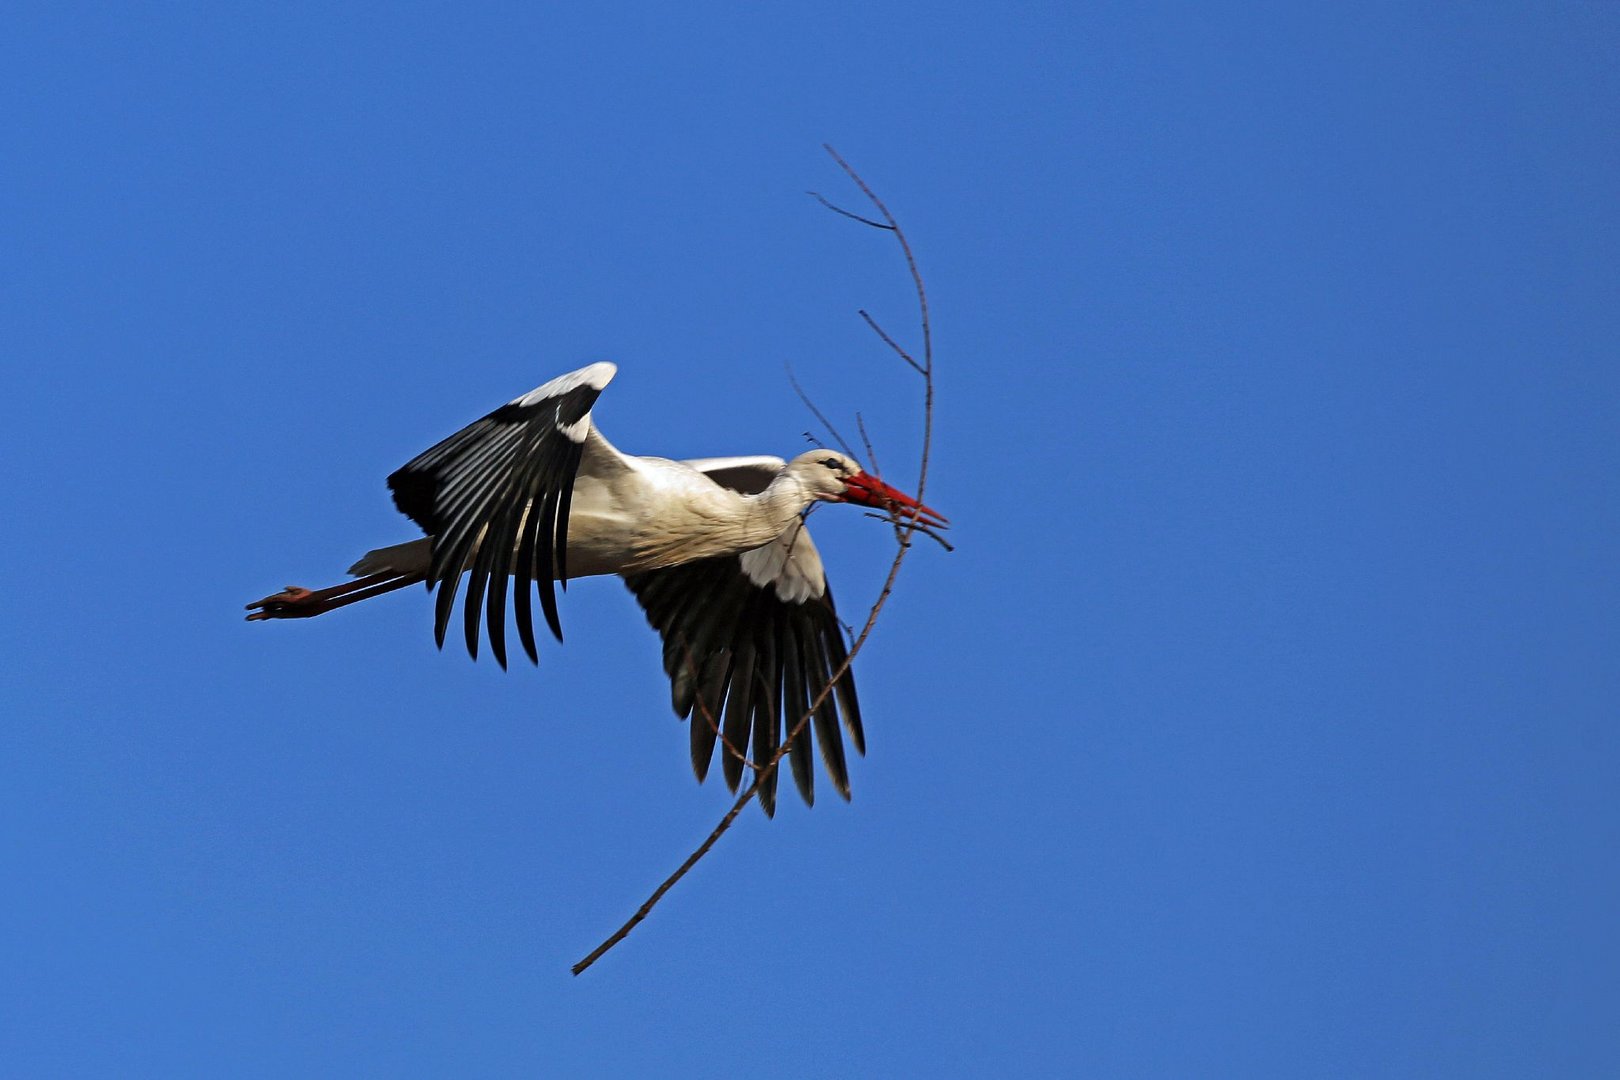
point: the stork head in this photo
(834, 477)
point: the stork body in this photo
(715, 551)
(646, 513)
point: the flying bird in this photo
(715, 551)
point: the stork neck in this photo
(773, 510)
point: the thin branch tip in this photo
(835, 208)
(811, 405)
(866, 441)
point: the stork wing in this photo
(749, 475)
(750, 641)
(494, 497)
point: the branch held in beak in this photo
(867, 490)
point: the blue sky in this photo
(1262, 724)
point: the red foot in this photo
(293, 602)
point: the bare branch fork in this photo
(904, 529)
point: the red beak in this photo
(868, 490)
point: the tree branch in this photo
(904, 528)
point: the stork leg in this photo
(298, 603)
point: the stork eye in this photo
(832, 463)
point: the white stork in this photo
(715, 551)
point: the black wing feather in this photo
(739, 714)
(767, 718)
(754, 662)
(501, 487)
(794, 703)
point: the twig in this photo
(890, 342)
(669, 883)
(826, 423)
(899, 523)
(816, 195)
(866, 441)
(927, 369)
(904, 533)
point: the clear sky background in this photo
(1262, 724)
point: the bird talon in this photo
(282, 605)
